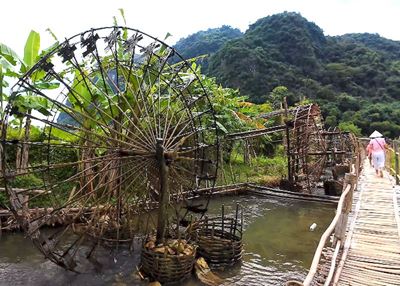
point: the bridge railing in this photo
(337, 226)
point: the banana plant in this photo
(13, 67)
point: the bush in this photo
(351, 127)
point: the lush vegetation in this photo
(206, 43)
(355, 77)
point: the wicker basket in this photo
(219, 241)
(167, 268)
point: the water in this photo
(278, 247)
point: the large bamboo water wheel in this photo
(307, 150)
(306, 144)
(105, 128)
(340, 145)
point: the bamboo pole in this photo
(20, 190)
(333, 264)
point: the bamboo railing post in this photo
(340, 228)
(357, 164)
(388, 161)
(396, 162)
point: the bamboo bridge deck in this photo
(371, 253)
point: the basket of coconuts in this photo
(168, 262)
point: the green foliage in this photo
(277, 95)
(261, 169)
(31, 51)
(351, 127)
(8, 56)
(205, 43)
(29, 102)
(12, 66)
(232, 111)
(27, 181)
(346, 75)
(4, 203)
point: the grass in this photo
(260, 170)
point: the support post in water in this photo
(223, 218)
(164, 192)
(236, 218)
(287, 133)
(289, 166)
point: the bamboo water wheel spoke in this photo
(94, 165)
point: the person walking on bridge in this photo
(377, 146)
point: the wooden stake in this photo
(236, 218)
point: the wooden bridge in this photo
(362, 244)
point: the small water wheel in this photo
(107, 129)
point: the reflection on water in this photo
(278, 243)
(278, 247)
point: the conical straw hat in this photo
(375, 134)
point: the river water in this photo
(277, 241)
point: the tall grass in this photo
(260, 169)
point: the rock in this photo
(155, 283)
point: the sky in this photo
(182, 18)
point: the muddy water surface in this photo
(278, 247)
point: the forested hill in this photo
(206, 42)
(355, 77)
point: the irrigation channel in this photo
(278, 247)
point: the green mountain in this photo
(282, 49)
(355, 77)
(206, 43)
